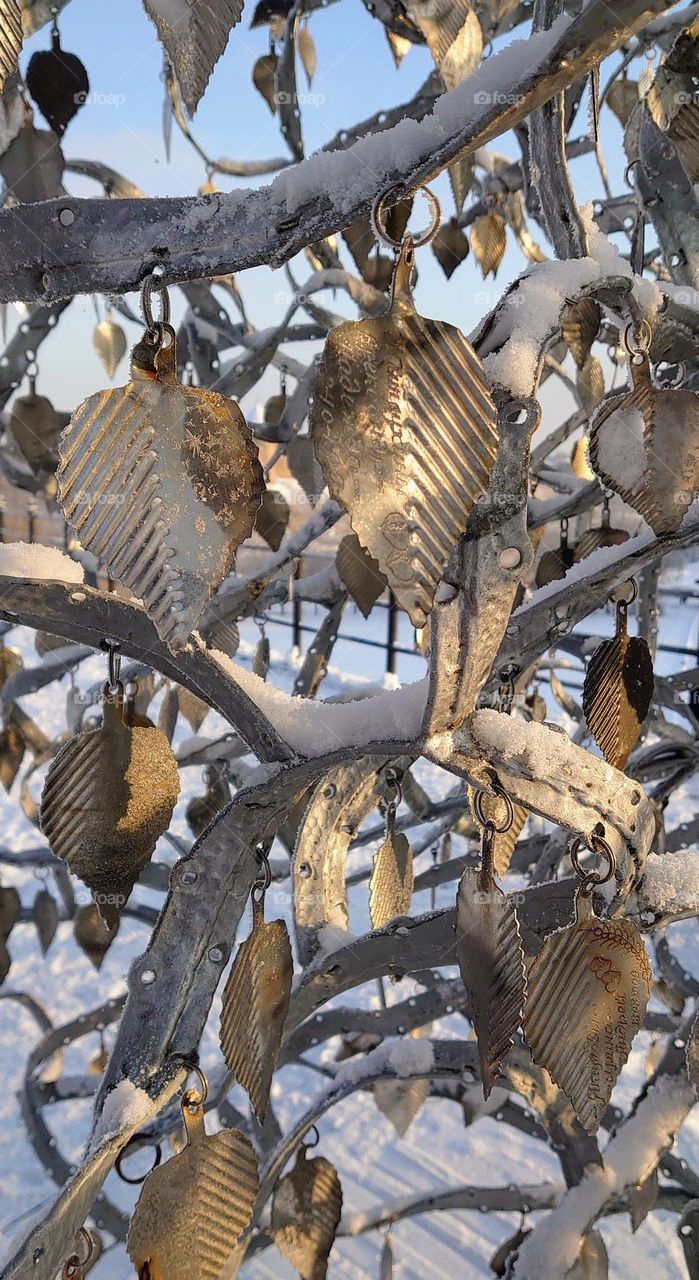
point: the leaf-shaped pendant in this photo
(391, 883)
(400, 1101)
(58, 83)
(617, 691)
(162, 483)
(405, 430)
(194, 1208)
(10, 38)
(359, 572)
(109, 341)
(255, 1004)
(386, 1260)
(108, 797)
(494, 808)
(587, 991)
(45, 917)
(35, 429)
(306, 1211)
(194, 35)
(92, 935)
(580, 327)
(491, 961)
(645, 446)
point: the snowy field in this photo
(438, 1151)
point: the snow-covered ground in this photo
(438, 1150)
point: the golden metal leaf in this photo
(254, 1007)
(453, 35)
(194, 36)
(162, 483)
(272, 518)
(359, 572)
(306, 1211)
(406, 433)
(264, 78)
(391, 883)
(554, 564)
(35, 430)
(92, 934)
(307, 53)
(579, 464)
(491, 961)
(10, 38)
(644, 445)
(12, 748)
(488, 242)
(587, 991)
(109, 341)
(108, 797)
(603, 536)
(590, 384)
(461, 180)
(622, 97)
(193, 1209)
(580, 327)
(203, 809)
(617, 693)
(496, 810)
(10, 662)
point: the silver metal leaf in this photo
(306, 1212)
(194, 35)
(400, 1101)
(391, 883)
(359, 572)
(254, 1007)
(491, 961)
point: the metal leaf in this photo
(488, 242)
(35, 429)
(495, 808)
(554, 564)
(307, 53)
(12, 748)
(622, 97)
(272, 518)
(162, 483)
(32, 166)
(109, 341)
(203, 809)
(587, 991)
(603, 536)
(590, 384)
(10, 662)
(108, 797)
(391, 883)
(580, 327)
(642, 1198)
(193, 1209)
(45, 917)
(194, 36)
(491, 961)
(304, 467)
(264, 78)
(194, 709)
(450, 246)
(400, 1101)
(406, 433)
(92, 935)
(359, 572)
(579, 464)
(254, 1007)
(58, 83)
(644, 445)
(10, 38)
(461, 180)
(617, 695)
(306, 1212)
(386, 1260)
(453, 34)
(592, 1262)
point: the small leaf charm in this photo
(45, 918)
(391, 883)
(92, 934)
(10, 38)
(617, 691)
(406, 433)
(255, 1004)
(108, 797)
(580, 327)
(58, 83)
(35, 430)
(109, 341)
(645, 446)
(386, 1260)
(306, 1212)
(587, 991)
(194, 1208)
(359, 572)
(491, 961)
(162, 483)
(488, 242)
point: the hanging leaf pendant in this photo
(391, 883)
(58, 84)
(193, 1209)
(645, 446)
(587, 991)
(491, 961)
(493, 807)
(162, 483)
(617, 692)
(306, 1212)
(255, 1005)
(108, 797)
(405, 430)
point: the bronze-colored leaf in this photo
(491, 961)
(10, 38)
(254, 1007)
(554, 564)
(194, 709)
(162, 483)
(92, 935)
(580, 328)
(12, 748)
(622, 97)
(590, 384)
(398, 45)
(194, 36)
(108, 796)
(10, 662)
(592, 1262)
(306, 1212)
(584, 1042)
(579, 463)
(642, 1198)
(488, 242)
(450, 246)
(359, 572)
(109, 341)
(307, 53)
(58, 83)
(378, 271)
(35, 429)
(264, 78)
(461, 181)
(193, 1209)
(453, 34)
(261, 658)
(617, 695)
(272, 518)
(45, 917)
(406, 433)
(603, 536)
(274, 408)
(391, 883)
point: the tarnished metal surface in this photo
(406, 434)
(194, 39)
(10, 38)
(391, 883)
(587, 991)
(359, 572)
(306, 1211)
(617, 692)
(162, 483)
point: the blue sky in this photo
(121, 125)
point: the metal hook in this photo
(310, 1145)
(154, 328)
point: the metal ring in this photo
(618, 598)
(266, 873)
(311, 1145)
(484, 821)
(151, 282)
(190, 1097)
(643, 336)
(73, 1265)
(597, 845)
(378, 223)
(136, 1182)
(113, 650)
(630, 166)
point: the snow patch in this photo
(126, 1107)
(43, 564)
